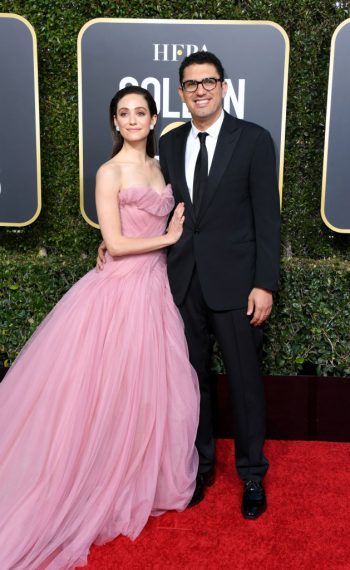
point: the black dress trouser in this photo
(240, 344)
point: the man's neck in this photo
(205, 123)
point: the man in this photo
(225, 267)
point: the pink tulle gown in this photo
(98, 415)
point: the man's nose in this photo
(200, 89)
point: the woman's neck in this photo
(135, 153)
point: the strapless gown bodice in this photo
(144, 211)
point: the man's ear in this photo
(181, 94)
(224, 88)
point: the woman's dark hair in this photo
(200, 57)
(118, 140)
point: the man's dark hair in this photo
(200, 57)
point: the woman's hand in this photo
(101, 256)
(175, 227)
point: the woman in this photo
(98, 415)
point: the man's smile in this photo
(202, 102)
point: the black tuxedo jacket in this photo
(234, 241)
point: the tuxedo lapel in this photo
(178, 160)
(225, 147)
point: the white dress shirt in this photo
(192, 149)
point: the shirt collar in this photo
(213, 130)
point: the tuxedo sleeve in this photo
(266, 211)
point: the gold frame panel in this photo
(37, 119)
(326, 137)
(186, 22)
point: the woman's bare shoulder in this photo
(109, 168)
(109, 175)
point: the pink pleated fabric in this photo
(98, 415)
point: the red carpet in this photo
(306, 526)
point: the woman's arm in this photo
(107, 187)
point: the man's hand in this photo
(101, 256)
(259, 305)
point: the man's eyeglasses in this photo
(191, 85)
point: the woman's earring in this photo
(151, 128)
(117, 129)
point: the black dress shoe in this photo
(254, 500)
(202, 480)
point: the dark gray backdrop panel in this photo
(19, 177)
(112, 50)
(337, 184)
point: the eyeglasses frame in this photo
(217, 80)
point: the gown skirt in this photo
(99, 412)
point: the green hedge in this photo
(309, 327)
(315, 272)
(309, 330)
(29, 288)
